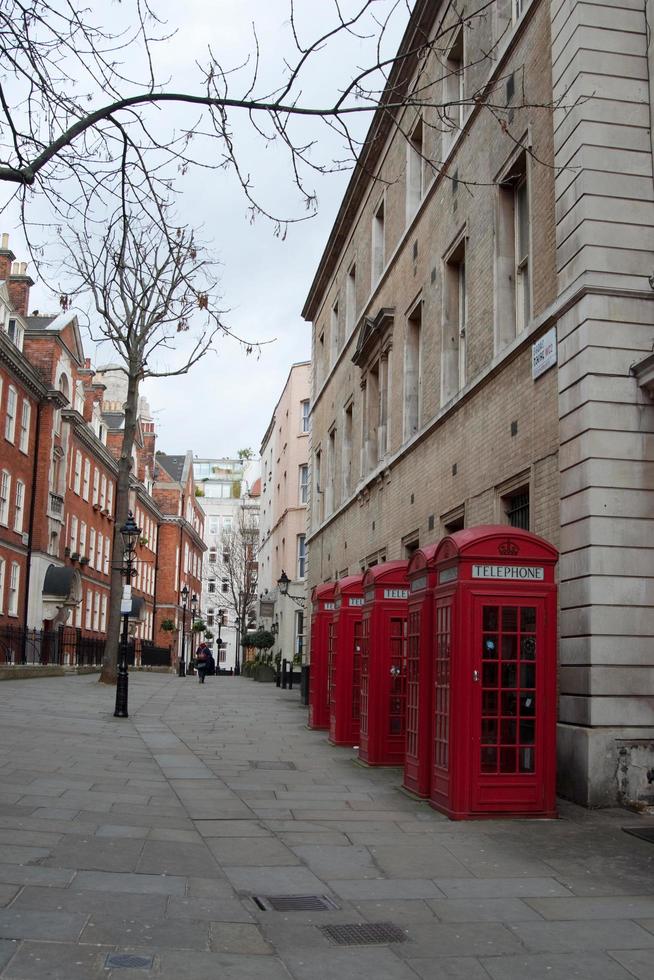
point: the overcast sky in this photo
(225, 403)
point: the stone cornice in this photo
(20, 366)
(188, 528)
(87, 436)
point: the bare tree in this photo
(80, 100)
(150, 283)
(236, 569)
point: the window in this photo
(96, 485)
(519, 7)
(2, 584)
(304, 483)
(103, 614)
(213, 525)
(25, 426)
(454, 91)
(454, 520)
(92, 547)
(103, 492)
(298, 645)
(5, 490)
(346, 449)
(351, 300)
(412, 372)
(78, 613)
(516, 508)
(77, 477)
(98, 552)
(211, 586)
(453, 356)
(96, 611)
(15, 332)
(89, 610)
(227, 523)
(335, 332)
(225, 585)
(512, 266)
(14, 581)
(330, 501)
(73, 535)
(82, 539)
(378, 243)
(10, 418)
(305, 415)
(86, 479)
(415, 170)
(110, 497)
(317, 487)
(213, 555)
(210, 617)
(107, 548)
(301, 556)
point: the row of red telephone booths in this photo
(446, 665)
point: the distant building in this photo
(284, 502)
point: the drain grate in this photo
(644, 833)
(272, 764)
(127, 961)
(295, 903)
(363, 934)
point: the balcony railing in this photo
(56, 505)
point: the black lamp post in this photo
(182, 659)
(130, 534)
(194, 612)
(221, 623)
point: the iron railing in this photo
(67, 646)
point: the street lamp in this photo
(182, 659)
(221, 623)
(283, 583)
(130, 533)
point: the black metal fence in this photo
(63, 647)
(67, 646)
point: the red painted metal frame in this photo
(344, 675)
(383, 664)
(421, 574)
(494, 690)
(322, 599)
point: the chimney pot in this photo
(15, 268)
(5, 240)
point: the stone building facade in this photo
(284, 502)
(482, 316)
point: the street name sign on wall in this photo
(543, 354)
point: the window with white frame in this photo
(103, 614)
(25, 416)
(96, 611)
(213, 554)
(519, 7)
(77, 477)
(15, 332)
(304, 483)
(82, 539)
(89, 610)
(454, 322)
(10, 417)
(110, 496)
(86, 479)
(78, 613)
(454, 84)
(378, 243)
(14, 582)
(19, 506)
(103, 492)
(227, 523)
(211, 585)
(512, 250)
(2, 584)
(96, 485)
(107, 546)
(224, 585)
(5, 491)
(73, 534)
(415, 170)
(214, 524)
(98, 552)
(92, 547)
(301, 556)
(298, 645)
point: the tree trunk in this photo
(110, 659)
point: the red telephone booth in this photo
(345, 662)
(419, 671)
(383, 664)
(494, 716)
(322, 600)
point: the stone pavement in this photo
(150, 836)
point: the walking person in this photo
(202, 655)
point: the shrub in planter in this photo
(168, 625)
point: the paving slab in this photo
(26, 924)
(58, 961)
(147, 931)
(553, 966)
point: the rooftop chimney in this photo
(6, 257)
(19, 285)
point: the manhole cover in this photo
(127, 961)
(363, 934)
(295, 903)
(273, 764)
(644, 833)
